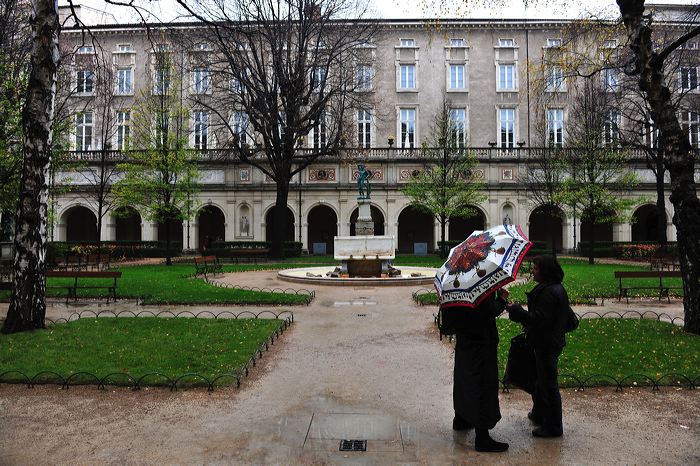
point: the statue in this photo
(363, 185)
(245, 225)
(507, 220)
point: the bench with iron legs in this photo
(79, 274)
(207, 265)
(254, 255)
(661, 287)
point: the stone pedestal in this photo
(364, 256)
(364, 226)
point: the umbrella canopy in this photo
(483, 263)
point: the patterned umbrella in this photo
(483, 263)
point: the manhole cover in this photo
(353, 445)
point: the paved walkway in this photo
(358, 363)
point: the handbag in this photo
(520, 368)
(572, 321)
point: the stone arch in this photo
(645, 226)
(322, 222)
(269, 224)
(127, 224)
(546, 227)
(80, 224)
(462, 227)
(211, 226)
(415, 226)
(378, 218)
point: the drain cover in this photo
(361, 315)
(353, 445)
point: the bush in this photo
(116, 249)
(291, 248)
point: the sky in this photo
(166, 10)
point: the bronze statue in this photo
(363, 185)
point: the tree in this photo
(28, 299)
(160, 177)
(447, 187)
(284, 70)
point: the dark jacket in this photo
(474, 325)
(545, 317)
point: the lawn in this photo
(137, 346)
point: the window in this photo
(364, 128)
(320, 133)
(85, 82)
(688, 78)
(83, 131)
(611, 81)
(458, 124)
(363, 76)
(202, 46)
(506, 77)
(161, 127)
(161, 81)
(555, 79)
(282, 124)
(407, 118)
(610, 44)
(407, 42)
(125, 81)
(200, 80)
(239, 124)
(456, 42)
(457, 77)
(201, 130)
(692, 45)
(506, 43)
(611, 127)
(506, 127)
(123, 129)
(124, 48)
(318, 78)
(553, 43)
(555, 127)
(691, 124)
(86, 49)
(407, 76)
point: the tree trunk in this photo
(28, 301)
(679, 158)
(279, 220)
(443, 243)
(661, 203)
(591, 244)
(168, 252)
(100, 208)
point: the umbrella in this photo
(483, 263)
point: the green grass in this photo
(137, 346)
(619, 348)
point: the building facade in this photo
(487, 71)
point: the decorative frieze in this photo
(322, 175)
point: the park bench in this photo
(246, 254)
(663, 262)
(84, 262)
(661, 287)
(80, 274)
(207, 265)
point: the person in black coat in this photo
(475, 393)
(545, 323)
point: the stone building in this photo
(485, 69)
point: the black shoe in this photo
(460, 424)
(546, 433)
(490, 445)
(535, 420)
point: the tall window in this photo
(611, 127)
(506, 127)
(407, 76)
(320, 132)
(407, 42)
(555, 79)
(457, 77)
(691, 124)
(200, 80)
(123, 129)
(201, 130)
(555, 127)
(83, 131)
(407, 117)
(458, 124)
(125, 84)
(364, 128)
(85, 82)
(318, 78)
(161, 81)
(506, 77)
(240, 126)
(611, 80)
(363, 77)
(688, 78)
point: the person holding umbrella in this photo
(469, 287)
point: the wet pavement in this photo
(358, 363)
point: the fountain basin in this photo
(427, 276)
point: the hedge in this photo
(116, 249)
(291, 248)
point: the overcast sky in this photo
(166, 10)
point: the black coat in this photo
(545, 317)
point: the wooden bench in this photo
(663, 262)
(660, 274)
(247, 254)
(84, 262)
(207, 265)
(76, 274)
